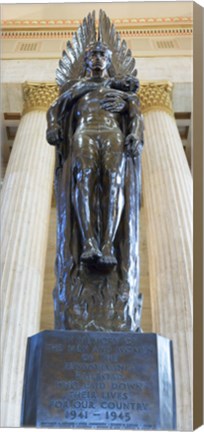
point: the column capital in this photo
(156, 95)
(38, 96)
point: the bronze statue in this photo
(97, 129)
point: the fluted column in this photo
(25, 210)
(167, 188)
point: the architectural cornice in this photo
(118, 21)
(128, 27)
(153, 95)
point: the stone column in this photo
(25, 210)
(167, 188)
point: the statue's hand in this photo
(113, 103)
(128, 84)
(54, 135)
(133, 146)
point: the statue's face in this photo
(98, 59)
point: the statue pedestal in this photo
(116, 380)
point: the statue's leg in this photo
(84, 165)
(113, 193)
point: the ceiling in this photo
(114, 9)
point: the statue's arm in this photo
(134, 138)
(70, 94)
(118, 101)
(53, 133)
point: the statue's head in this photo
(98, 56)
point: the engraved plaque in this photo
(77, 379)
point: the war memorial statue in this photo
(97, 369)
(97, 128)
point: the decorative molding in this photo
(67, 34)
(38, 96)
(153, 95)
(156, 96)
(117, 21)
(127, 27)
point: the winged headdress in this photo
(71, 65)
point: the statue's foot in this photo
(91, 252)
(91, 255)
(108, 258)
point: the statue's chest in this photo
(91, 102)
